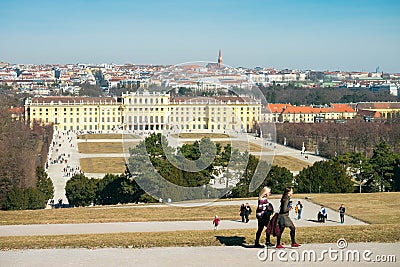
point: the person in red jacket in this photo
(216, 222)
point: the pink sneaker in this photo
(295, 245)
(279, 246)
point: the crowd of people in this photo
(61, 139)
(275, 223)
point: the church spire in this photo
(220, 59)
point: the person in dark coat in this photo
(342, 211)
(284, 219)
(322, 215)
(247, 212)
(242, 212)
(263, 214)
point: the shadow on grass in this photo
(233, 241)
(316, 221)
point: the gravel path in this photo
(200, 256)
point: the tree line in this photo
(321, 95)
(350, 172)
(22, 150)
(353, 172)
(32, 198)
(332, 176)
(331, 139)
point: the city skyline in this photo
(339, 35)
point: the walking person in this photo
(247, 212)
(299, 206)
(342, 211)
(242, 212)
(263, 214)
(216, 222)
(284, 219)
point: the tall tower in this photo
(220, 59)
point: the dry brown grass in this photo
(103, 165)
(117, 164)
(235, 237)
(241, 145)
(125, 213)
(105, 147)
(375, 208)
(290, 163)
(107, 136)
(201, 135)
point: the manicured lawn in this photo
(103, 165)
(201, 135)
(125, 213)
(107, 136)
(290, 163)
(375, 208)
(105, 147)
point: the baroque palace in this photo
(160, 111)
(145, 112)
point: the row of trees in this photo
(112, 189)
(353, 172)
(22, 149)
(321, 96)
(350, 172)
(154, 157)
(333, 139)
(31, 197)
(186, 173)
(380, 172)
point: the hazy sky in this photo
(299, 34)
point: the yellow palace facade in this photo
(145, 112)
(75, 113)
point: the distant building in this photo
(306, 114)
(17, 113)
(217, 65)
(386, 110)
(75, 113)
(145, 112)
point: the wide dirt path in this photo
(204, 256)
